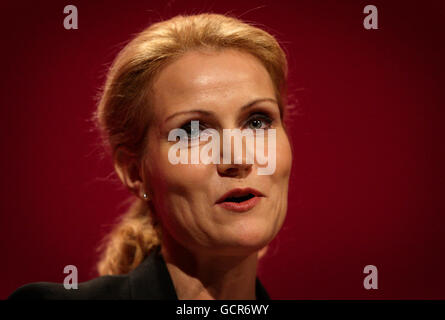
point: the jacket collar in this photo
(151, 280)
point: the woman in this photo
(194, 230)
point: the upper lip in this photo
(238, 192)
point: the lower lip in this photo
(242, 206)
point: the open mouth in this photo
(239, 199)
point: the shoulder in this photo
(105, 287)
(150, 280)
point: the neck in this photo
(208, 276)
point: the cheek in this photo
(283, 157)
(281, 176)
(172, 181)
(189, 176)
(182, 200)
(161, 167)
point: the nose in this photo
(238, 167)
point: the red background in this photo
(367, 180)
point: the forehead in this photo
(210, 80)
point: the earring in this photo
(145, 196)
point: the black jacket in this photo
(149, 281)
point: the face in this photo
(217, 89)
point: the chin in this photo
(248, 240)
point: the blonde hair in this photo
(122, 113)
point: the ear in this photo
(128, 168)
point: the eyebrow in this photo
(244, 107)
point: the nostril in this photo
(234, 170)
(231, 171)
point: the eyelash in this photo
(261, 116)
(187, 127)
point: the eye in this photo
(193, 130)
(259, 121)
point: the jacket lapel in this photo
(151, 280)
